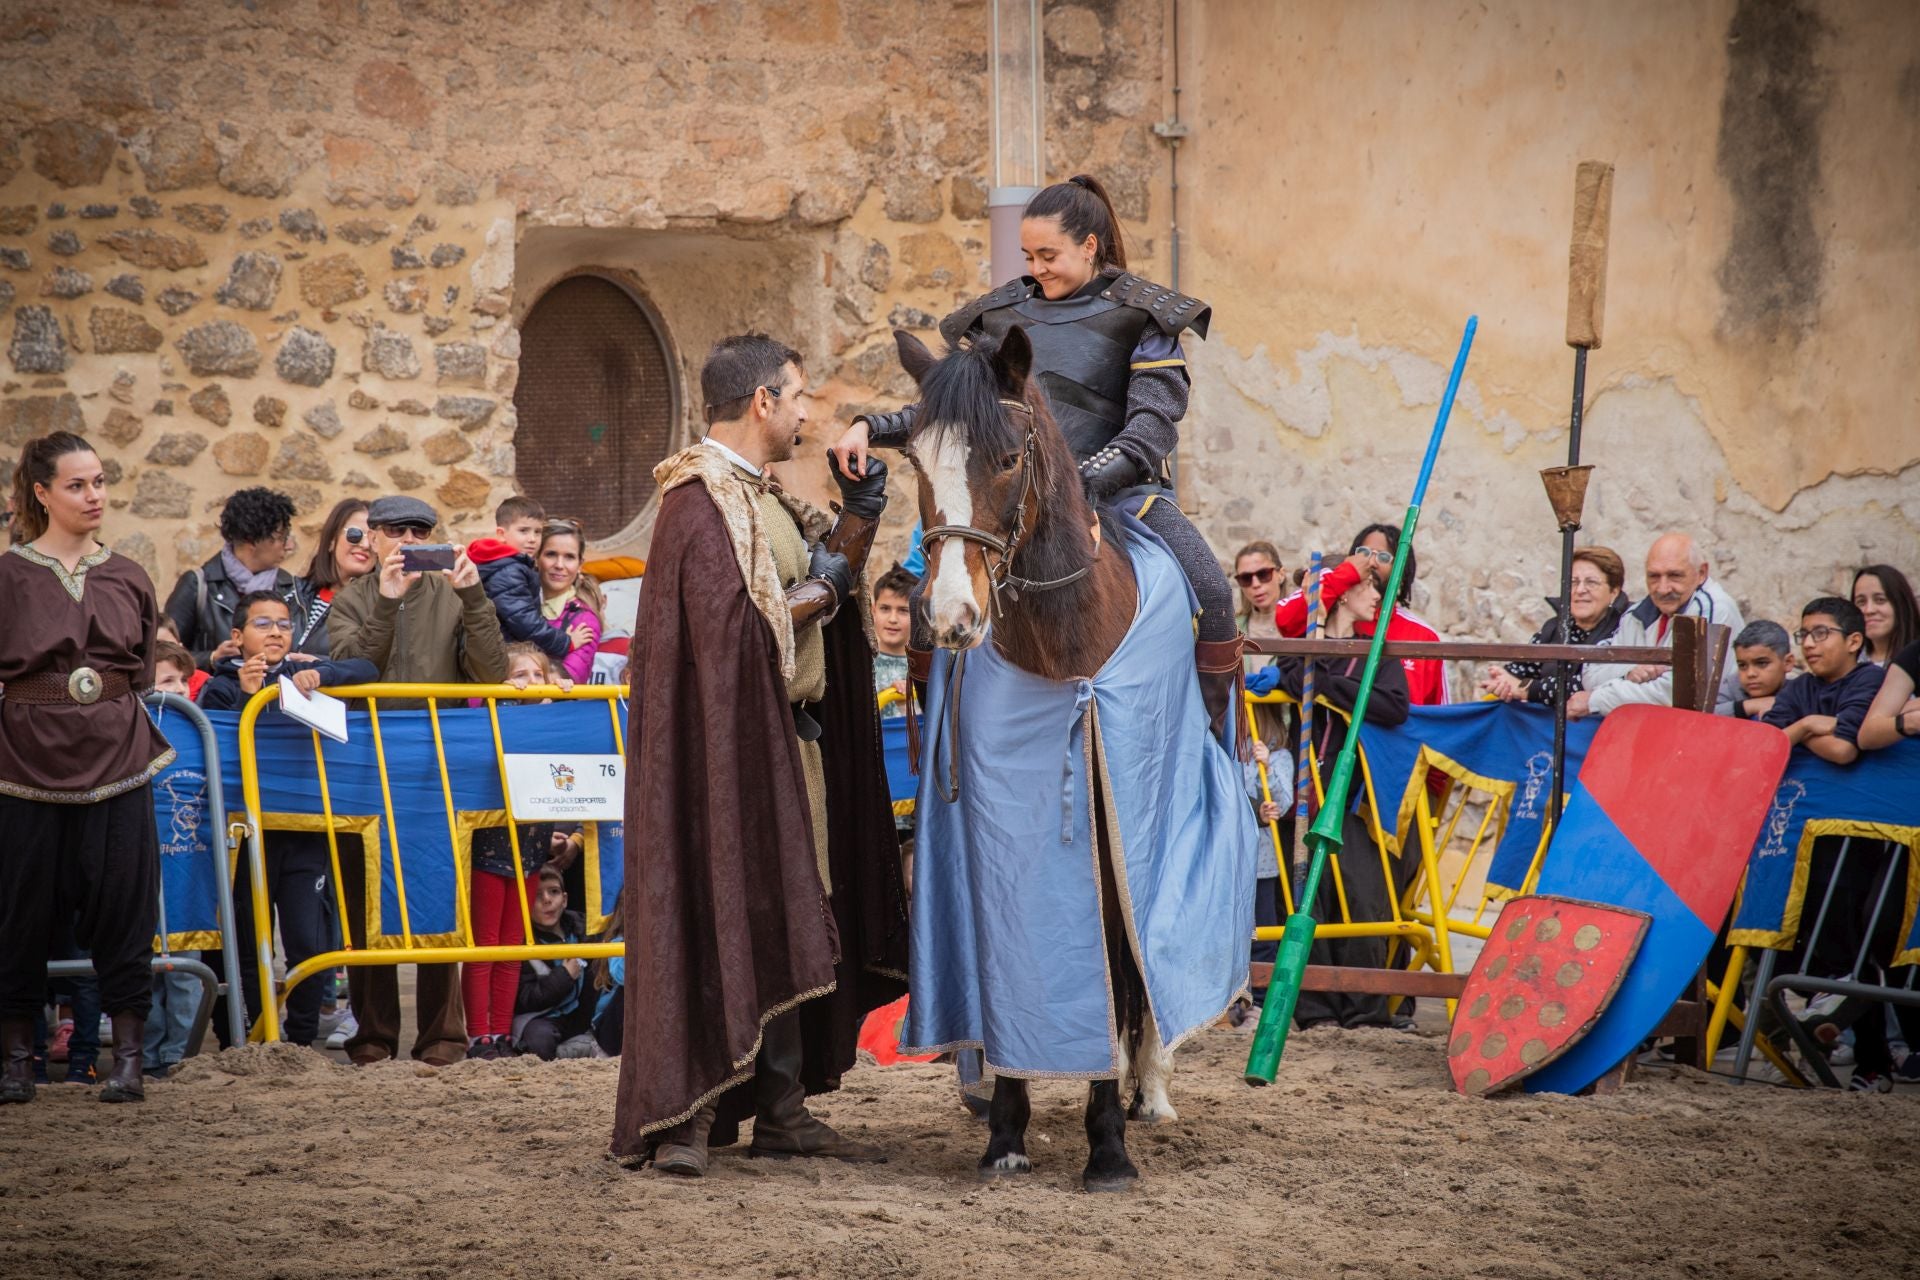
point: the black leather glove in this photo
(1108, 471)
(831, 568)
(863, 496)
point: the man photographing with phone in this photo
(419, 625)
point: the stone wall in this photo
(289, 243)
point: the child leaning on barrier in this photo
(488, 989)
(1763, 655)
(298, 863)
(553, 1014)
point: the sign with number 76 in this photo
(587, 788)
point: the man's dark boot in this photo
(16, 1048)
(1218, 662)
(129, 1044)
(682, 1150)
(783, 1128)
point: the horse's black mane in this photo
(962, 392)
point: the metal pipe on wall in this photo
(1017, 92)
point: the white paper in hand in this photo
(316, 710)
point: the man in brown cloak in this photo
(765, 911)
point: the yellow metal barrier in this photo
(881, 701)
(411, 951)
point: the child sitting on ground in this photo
(552, 1016)
(1763, 654)
(512, 581)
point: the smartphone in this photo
(428, 557)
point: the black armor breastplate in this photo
(1082, 353)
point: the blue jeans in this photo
(176, 999)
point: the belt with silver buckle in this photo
(82, 685)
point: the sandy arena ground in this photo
(281, 1163)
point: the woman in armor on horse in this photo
(1106, 350)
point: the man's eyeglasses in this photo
(1253, 576)
(1819, 635)
(404, 532)
(271, 624)
(1379, 557)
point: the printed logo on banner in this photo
(562, 773)
(186, 793)
(1539, 770)
(1773, 840)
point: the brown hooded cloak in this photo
(727, 922)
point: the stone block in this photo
(71, 153)
(253, 282)
(446, 447)
(471, 412)
(382, 441)
(300, 458)
(305, 358)
(116, 330)
(178, 155)
(406, 294)
(328, 282)
(446, 255)
(144, 207)
(210, 218)
(932, 260)
(461, 363)
(174, 301)
(128, 287)
(39, 345)
(389, 354)
(264, 167)
(18, 219)
(99, 210)
(158, 496)
(405, 479)
(211, 403)
(303, 225)
(463, 491)
(144, 247)
(65, 282)
(406, 258)
(968, 199)
(28, 416)
(389, 91)
(911, 196)
(177, 448)
(323, 420)
(121, 428)
(15, 259)
(361, 402)
(242, 454)
(6, 296)
(64, 243)
(412, 408)
(363, 230)
(219, 347)
(270, 411)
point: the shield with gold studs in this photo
(1547, 971)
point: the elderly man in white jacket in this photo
(1677, 584)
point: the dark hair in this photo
(39, 464)
(1844, 612)
(178, 654)
(739, 366)
(255, 515)
(1083, 208)
(1906, 611)
(518, 507)
(1764, 632)
(322, 571)
(244, 606)
(1392, 535)
(897, 580)
(550, 872)
(1605, 559)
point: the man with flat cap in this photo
(765, 915)
(417, 628)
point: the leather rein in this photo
(1000, 574)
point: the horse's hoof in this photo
(1105, 1183)
(1139, 1112)
(1011, 1165)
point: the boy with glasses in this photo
(1823, 711)
(297, 862)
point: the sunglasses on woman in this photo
(1255, 576)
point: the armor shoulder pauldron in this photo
(958, 322)
(1170, 310)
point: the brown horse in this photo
(1012, 541)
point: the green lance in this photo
(1323, 837)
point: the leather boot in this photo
(783, 1128)
(682, 1150)
(129, 1046)
(16, 1047)
(1218, 662)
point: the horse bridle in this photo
(1000, 574)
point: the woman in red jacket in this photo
(1371, 553)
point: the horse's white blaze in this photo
(950, 602)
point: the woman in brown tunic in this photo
(77, 755)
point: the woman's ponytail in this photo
(1084, 209)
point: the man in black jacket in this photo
(256, 526)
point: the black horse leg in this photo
(1007, 1129)
(1108, 1168)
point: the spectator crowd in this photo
(380, 601)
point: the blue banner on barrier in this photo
(368, 821)
(1504, 748)
(1877, 797)
(188, 831)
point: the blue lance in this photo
(1323, 838)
